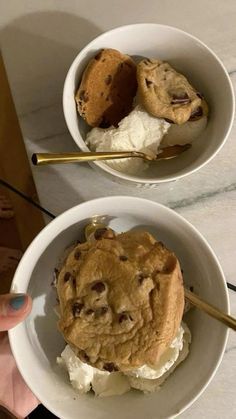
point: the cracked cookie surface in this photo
(121, 300)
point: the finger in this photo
(14, 308)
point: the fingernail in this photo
(17, 302)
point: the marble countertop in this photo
(39, 41)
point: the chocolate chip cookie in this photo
(107, 89)
(121, 300)
(165, 93)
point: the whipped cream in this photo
(139, 131)
(83, 377)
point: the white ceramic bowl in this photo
(36, 343)
(187, 54)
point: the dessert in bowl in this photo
(121, 305)
(37, 343)
(187, 60)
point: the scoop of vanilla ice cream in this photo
(185, 133)
(83, 376)
(138, 131)
(148, 385)
(166, 361)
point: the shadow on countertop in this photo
(38, 49)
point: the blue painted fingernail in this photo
(16, 303)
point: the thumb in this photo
(14, 308)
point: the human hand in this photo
(14, 394)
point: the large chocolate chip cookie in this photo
(165, 93)
(121, 300)
(107, 89)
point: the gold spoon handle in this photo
(39, 159)
(210, 309)
(166, 153)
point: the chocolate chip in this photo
(84, 356)
(77, 254)
(102, 93)
(200, 95)
(104, 310)
(76, 309)
(74, 282)
(109, 366)
(121, 65)
(148, 82)
(99, 287)
(89, 311)
(99, 233)
(169, 120)
(123, 258)
(180, 99)
(104, 123)
(108, 79)
(197, 114)
(170, 264)
(107, 98)
(67, 276)
(124, 317)
(98, 56)
(84, 96)
(101, 311)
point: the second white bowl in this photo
(188, 55)
(37, 342)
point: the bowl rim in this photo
(132, 178)
(48, 234)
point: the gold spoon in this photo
(193, 298)
(166, 153)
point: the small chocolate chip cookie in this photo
(121, 300)
(165, 93)
(107, 89)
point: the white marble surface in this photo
(39, 40)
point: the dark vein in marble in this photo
(187, 202)
(49, 137)
(36, 110)
(230, 349)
